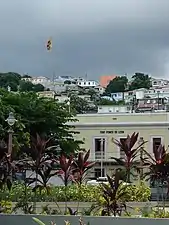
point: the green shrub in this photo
(139, 192)
(6, 206)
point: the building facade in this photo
(113, 109)
(155, 82)
(87, 83)
(98, 131)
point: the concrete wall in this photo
(122, 118)
(74, 220)
(60, 206)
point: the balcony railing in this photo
(104, 156)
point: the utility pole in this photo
(11, 121)
(86, 76)
(133, 103)
(141, 141)
(102, 156)
(10, 132)
(158, 93)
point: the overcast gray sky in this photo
(97, 37)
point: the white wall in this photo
(56, 181)
(112, 109)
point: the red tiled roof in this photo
(104, 80)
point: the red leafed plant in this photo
(158, 164)
(7, 167)
(130, 152)
(41, 163)
(114, 194)
(81, 166)
(65, 172)
(158, 173)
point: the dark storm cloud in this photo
(96, 36)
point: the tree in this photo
(10, 79)
(25, 86)
(79, 105)
(93, 94)
(26, 76)
(67, 82)
(140, 80)
(38, 87)
(118, 84)
(103, 101)
(36, 115)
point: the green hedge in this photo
(87, 193)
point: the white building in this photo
(159, 82)
(40, 80)
(27, 79)
(138, 94)
(99, 89)
(87, 83)
(160, 92)
(113, 109)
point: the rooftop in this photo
(120, 119)
(104, 80)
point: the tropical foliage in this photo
(140, 80)
(158, 165)
(81, 166)
(114, 194)
(36, 115)
(130, 147)
(118, 84)
(138, 192)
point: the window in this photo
(122, 154)
(99, 148)
(84, 83)
(98, 173)
(156, 143)
(89, 83)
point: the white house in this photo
(87, 83)
(99, 89)
(162, 92)
(40, 80)
(159, 82)
(119, 96)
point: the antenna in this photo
(53, 77)
(86, 76)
